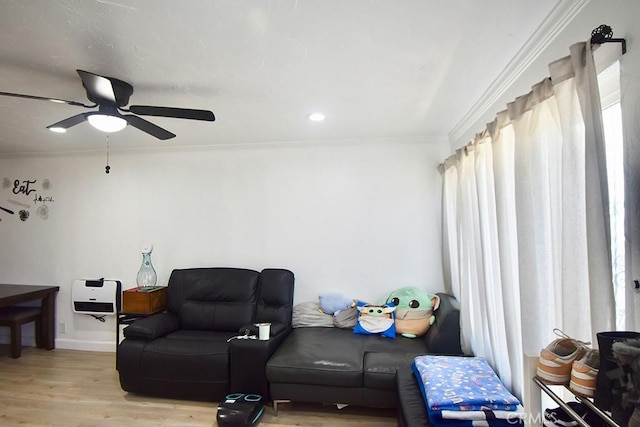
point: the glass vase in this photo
(147, 277)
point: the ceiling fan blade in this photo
(178, 113)
(99, 88)
(148, 127)
(42, 98)
(71, 121)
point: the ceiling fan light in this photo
(106, 123)
(57, 129)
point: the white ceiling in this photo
(376, 68)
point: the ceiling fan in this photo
(111, 95)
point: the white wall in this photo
(357, 217)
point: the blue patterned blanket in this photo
(457, 390)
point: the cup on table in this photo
(263, 330)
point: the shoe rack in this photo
(586, 401)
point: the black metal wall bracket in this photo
(604, 34)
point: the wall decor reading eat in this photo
(20, 196)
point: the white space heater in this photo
(97, 297)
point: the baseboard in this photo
(102, 346)
(69, 344)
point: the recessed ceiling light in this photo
(58, 130)
(316, 117)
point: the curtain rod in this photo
(604, 34)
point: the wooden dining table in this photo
(18, 294)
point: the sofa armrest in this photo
(152, 327)
(248, 360)
(443, 337)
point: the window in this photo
(609, 82)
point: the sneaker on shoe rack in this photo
(559, 417)
(584, 373)
(556, 360)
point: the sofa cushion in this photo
(214, 299)
(187, 356)
(380, 368)
(319, 356)
(443, 337)
(274, 302)
(379, 344)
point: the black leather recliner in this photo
(185, 352)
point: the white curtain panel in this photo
(576, 90)
(538, 188)
(503, 144)
(525, 222)
(450, 265)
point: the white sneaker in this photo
(584, 373)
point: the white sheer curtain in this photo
(525, 205)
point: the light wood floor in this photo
(80, 388)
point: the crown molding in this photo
(433, 139)
(548, 30)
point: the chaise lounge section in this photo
(336, 366)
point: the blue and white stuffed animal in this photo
(333, 303)
(376, 319)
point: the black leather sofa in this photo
(188, 352)
(332, 365)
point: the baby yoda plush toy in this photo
(414, 310)
(375, 319)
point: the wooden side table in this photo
(144, 301)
